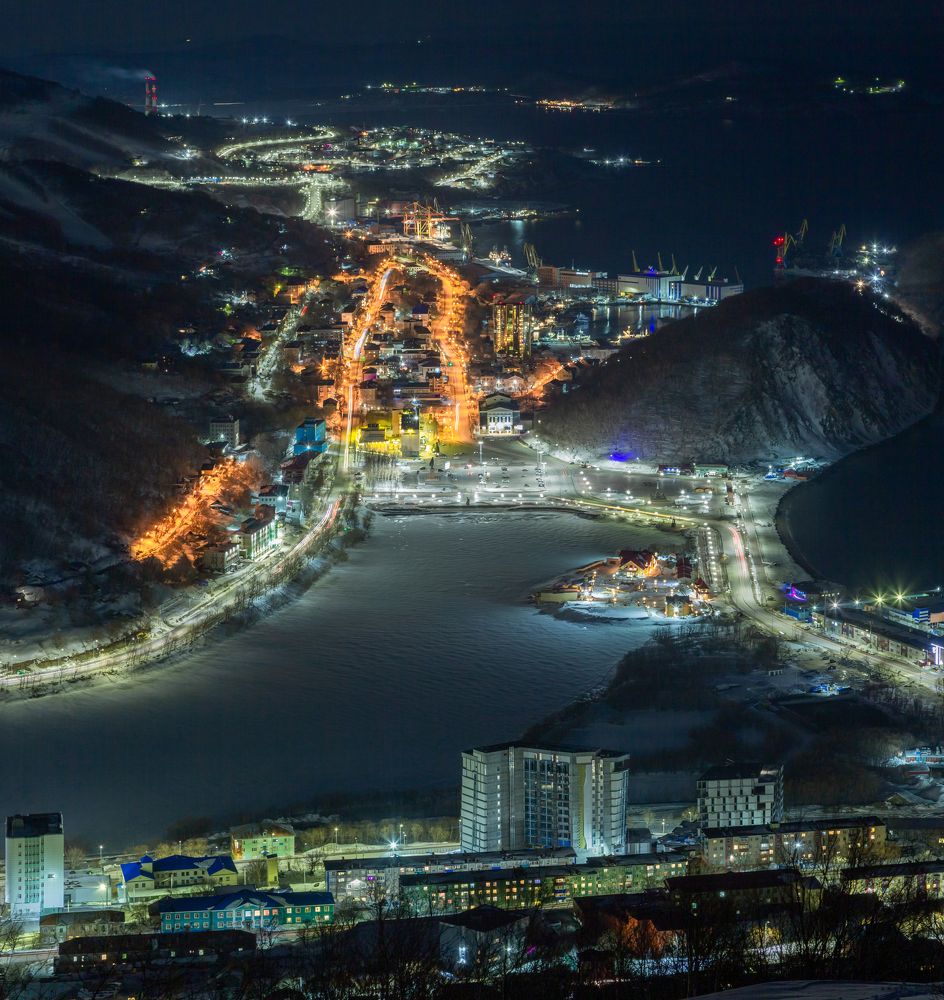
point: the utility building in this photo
(516, 797)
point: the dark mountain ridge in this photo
(809, 368)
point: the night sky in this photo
(122, 27)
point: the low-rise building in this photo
(897, 882)
(225, 429)
(870, 629)
(139, 951)
(259, 840)
(274, 495)
(804, 842)
(771, 886)
(248, 909)
(499, 414)
(626, 873)
(148, 877)
(639, 840)
(639, 562)
(63, 925)
(552, 885)
(221, 557)
(510, 889)
(363, 879)
(310, 435)
(258, 535)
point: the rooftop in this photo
(245, 897)
(901, 869)
(267, 828)
(795, 826)
(740, 771)
(34, 825)
(545, 748)
(536, 875)
(485, 859)
(827, 990)
(633, 860)
(768, 878)
(210, 864)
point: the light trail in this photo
(368, 318)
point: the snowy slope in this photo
(40, 120)
(813, 368)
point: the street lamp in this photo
(101, 863)
(335, 836)
(103, 889)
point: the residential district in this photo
(547, 857)
(419, 373)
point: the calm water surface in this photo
(418, 646)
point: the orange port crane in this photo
(423, 221)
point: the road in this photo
(261, 382)
(359, 334)
(196, 620)
(321, 135)
(448, 330)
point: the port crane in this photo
(531, 258)
(424, 221)
(467, 240)
(836, 240)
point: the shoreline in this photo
(394, 510)
(237, 618)
(238, 615)
(785, 534)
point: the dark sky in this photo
(125, 28)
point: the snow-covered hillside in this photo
(812, 368)
(40, 120)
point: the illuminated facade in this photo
(516, 797)
(245, 910)
(516, 888)
(34, 865)
(148, 877)
(257, 840)
(511, 325)
(834, 839)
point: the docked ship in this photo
(873, 264)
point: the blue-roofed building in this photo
(310, 435)
(248, 909)
(147, 878)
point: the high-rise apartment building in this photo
(740, 795)
(516, 797)
(34, 864)
(511, 325)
